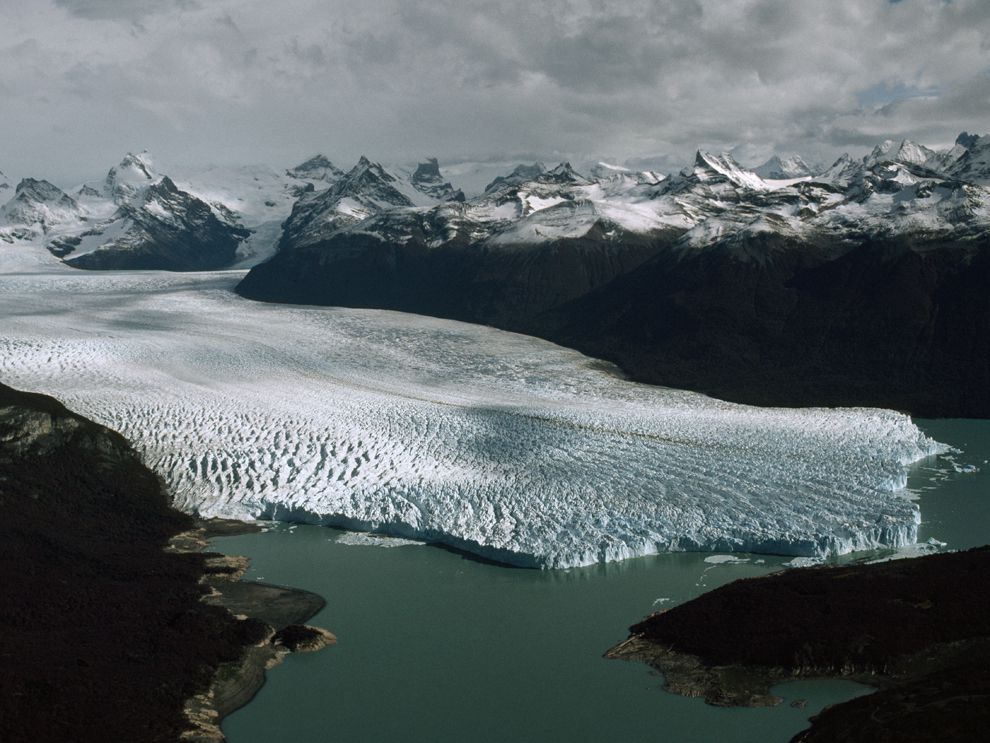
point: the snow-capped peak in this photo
(602, 170)
(564, 173)
(519, 175)
(905, 152)
(717, 168)
(39, 204)
(317, 168)
(842, 171)
(973, 165)
(132, 174)
(784, 168)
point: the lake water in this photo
(434, 646)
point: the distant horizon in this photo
(176, 167)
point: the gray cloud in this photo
(248, 80)
(122, 9)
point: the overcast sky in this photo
(225, 81)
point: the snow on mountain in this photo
(905, 151)
(126, 179)
(618, 176)
(901, 186)
(365, 191)
(895, 189)
(842, 171)
(427, 179)
(317, 168)
(519, 175)
(713, 169)
(259, 198)
(777, 168)
(38, 206)
(973, 164)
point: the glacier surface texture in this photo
(504, 445)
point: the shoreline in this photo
(283, 611)
(915, 630)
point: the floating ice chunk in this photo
(361, 539)
(804, 562)
(725, 560)
(928, 547)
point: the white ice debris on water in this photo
(500, 444)
(725, 560)
(363, 539)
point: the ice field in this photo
(504, 445)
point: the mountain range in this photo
(860, 283)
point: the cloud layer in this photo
(250, 80)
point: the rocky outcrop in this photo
(105, 633)
(918, 629)
(427, 179)
(900, 323)
(164, 228)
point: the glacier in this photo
(499, 444)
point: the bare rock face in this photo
(105, 635)
(160, 227)
(303, 638)
(918, 629)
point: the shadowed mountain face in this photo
(858, 286)
(102, 634)
(898, 323)
(890, 323)
(511, 289)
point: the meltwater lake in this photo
(435, 646)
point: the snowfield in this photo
(504, 445)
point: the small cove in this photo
(434, 646)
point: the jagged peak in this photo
(784, 167)
(130, 175)
(428, 180)
(365, 167)
(967, 140)
(165, 185)
(318, 167)
(520, 174)
(37, 189)
(708, 166)
(842, 170)
(905, 151)
(427, 171)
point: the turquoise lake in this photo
(436, 646)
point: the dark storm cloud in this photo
(230, 80)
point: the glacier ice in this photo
(504, 445)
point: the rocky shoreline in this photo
(283, 611)
(114, 624)
(917, 630)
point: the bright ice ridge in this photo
(500, 444)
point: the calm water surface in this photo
(437, 647)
